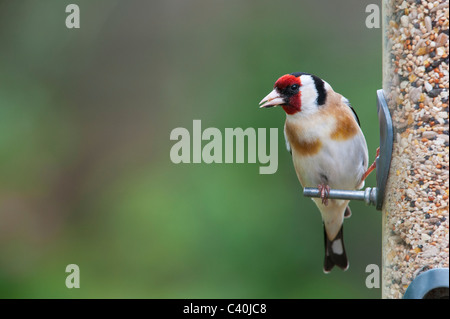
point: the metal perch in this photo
(369, 195)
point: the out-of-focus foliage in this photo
(85, 172)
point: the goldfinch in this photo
(328, 148)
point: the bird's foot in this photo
(324, 192)
(371, 167)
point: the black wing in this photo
(353, 110)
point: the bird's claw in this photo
(324, 192)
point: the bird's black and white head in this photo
(297, 92)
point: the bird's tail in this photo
(335, 252)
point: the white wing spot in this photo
(337, 247)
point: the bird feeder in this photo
(412, 167)
(415, 208)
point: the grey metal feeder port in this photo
(432, 284)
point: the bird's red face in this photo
(286, 92)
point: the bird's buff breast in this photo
(301, 139)
(316, 163)
(319, 143)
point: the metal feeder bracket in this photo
(370, 195)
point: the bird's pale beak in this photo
(273, 99)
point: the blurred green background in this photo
(85, 172)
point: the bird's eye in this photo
(294, 87)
